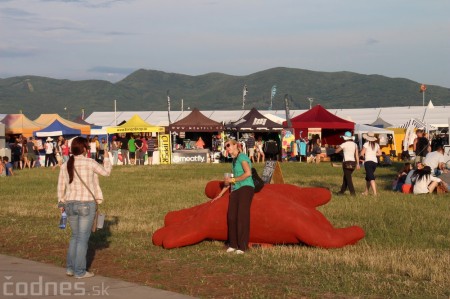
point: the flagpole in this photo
(423, 98)
(115, 113)
(244, 93)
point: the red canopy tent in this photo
(330, 125)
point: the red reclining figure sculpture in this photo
(280, 214)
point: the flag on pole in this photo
(168, 106)
(244, 93)
(274, 91)
(423, 88)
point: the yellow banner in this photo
(125, 129)
(164, 149)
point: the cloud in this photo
(16, 52)
(15, 12)
(92, 4)
(111, 70)
(372, 41)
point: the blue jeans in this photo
(80, 216)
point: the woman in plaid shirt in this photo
(78, 179)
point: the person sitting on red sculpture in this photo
(280, 214)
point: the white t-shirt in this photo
(371, 154)
(421, 186)
(48, 148)
(349, 148)
(433, 159)
(93, 146)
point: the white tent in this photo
(361, 129)
(416, 123)
(437, 116)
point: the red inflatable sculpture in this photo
(280, 214)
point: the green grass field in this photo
(406, 251)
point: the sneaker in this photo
(86, 275)
(230, 249)
(239, 252)
(69, 272)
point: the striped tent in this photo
(418, 124)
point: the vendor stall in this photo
(194, 138)
(137, 125)
(261, 127)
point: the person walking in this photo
(370, 151)
(77, 183)
(350, 162)
(241, 196)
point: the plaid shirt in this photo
(88, 169)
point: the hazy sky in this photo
(109, 39)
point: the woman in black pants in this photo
(241, 196)
(350, 163)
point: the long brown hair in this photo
(78, 147)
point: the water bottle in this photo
(63, 220)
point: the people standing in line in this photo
(139, 154)
(132, 150)
(424, 182)
(31, 153)
(115, 149)
(124, 149)
(78, 178)
(251, 147)
(260, 150)
(143, 149)
(150, 149)
(351, 157)
(436, 161)
(421, 146)
(370, 151)
(241, 196)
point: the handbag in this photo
(95, 223)
(257, 180)
(349, 165)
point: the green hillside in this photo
(146, 90)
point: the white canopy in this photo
(361, 129)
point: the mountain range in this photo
(148, 89)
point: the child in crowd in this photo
(7, 167)
(401, 177)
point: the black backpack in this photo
(259, 183)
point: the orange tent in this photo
(48, 119)
(20, 124)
